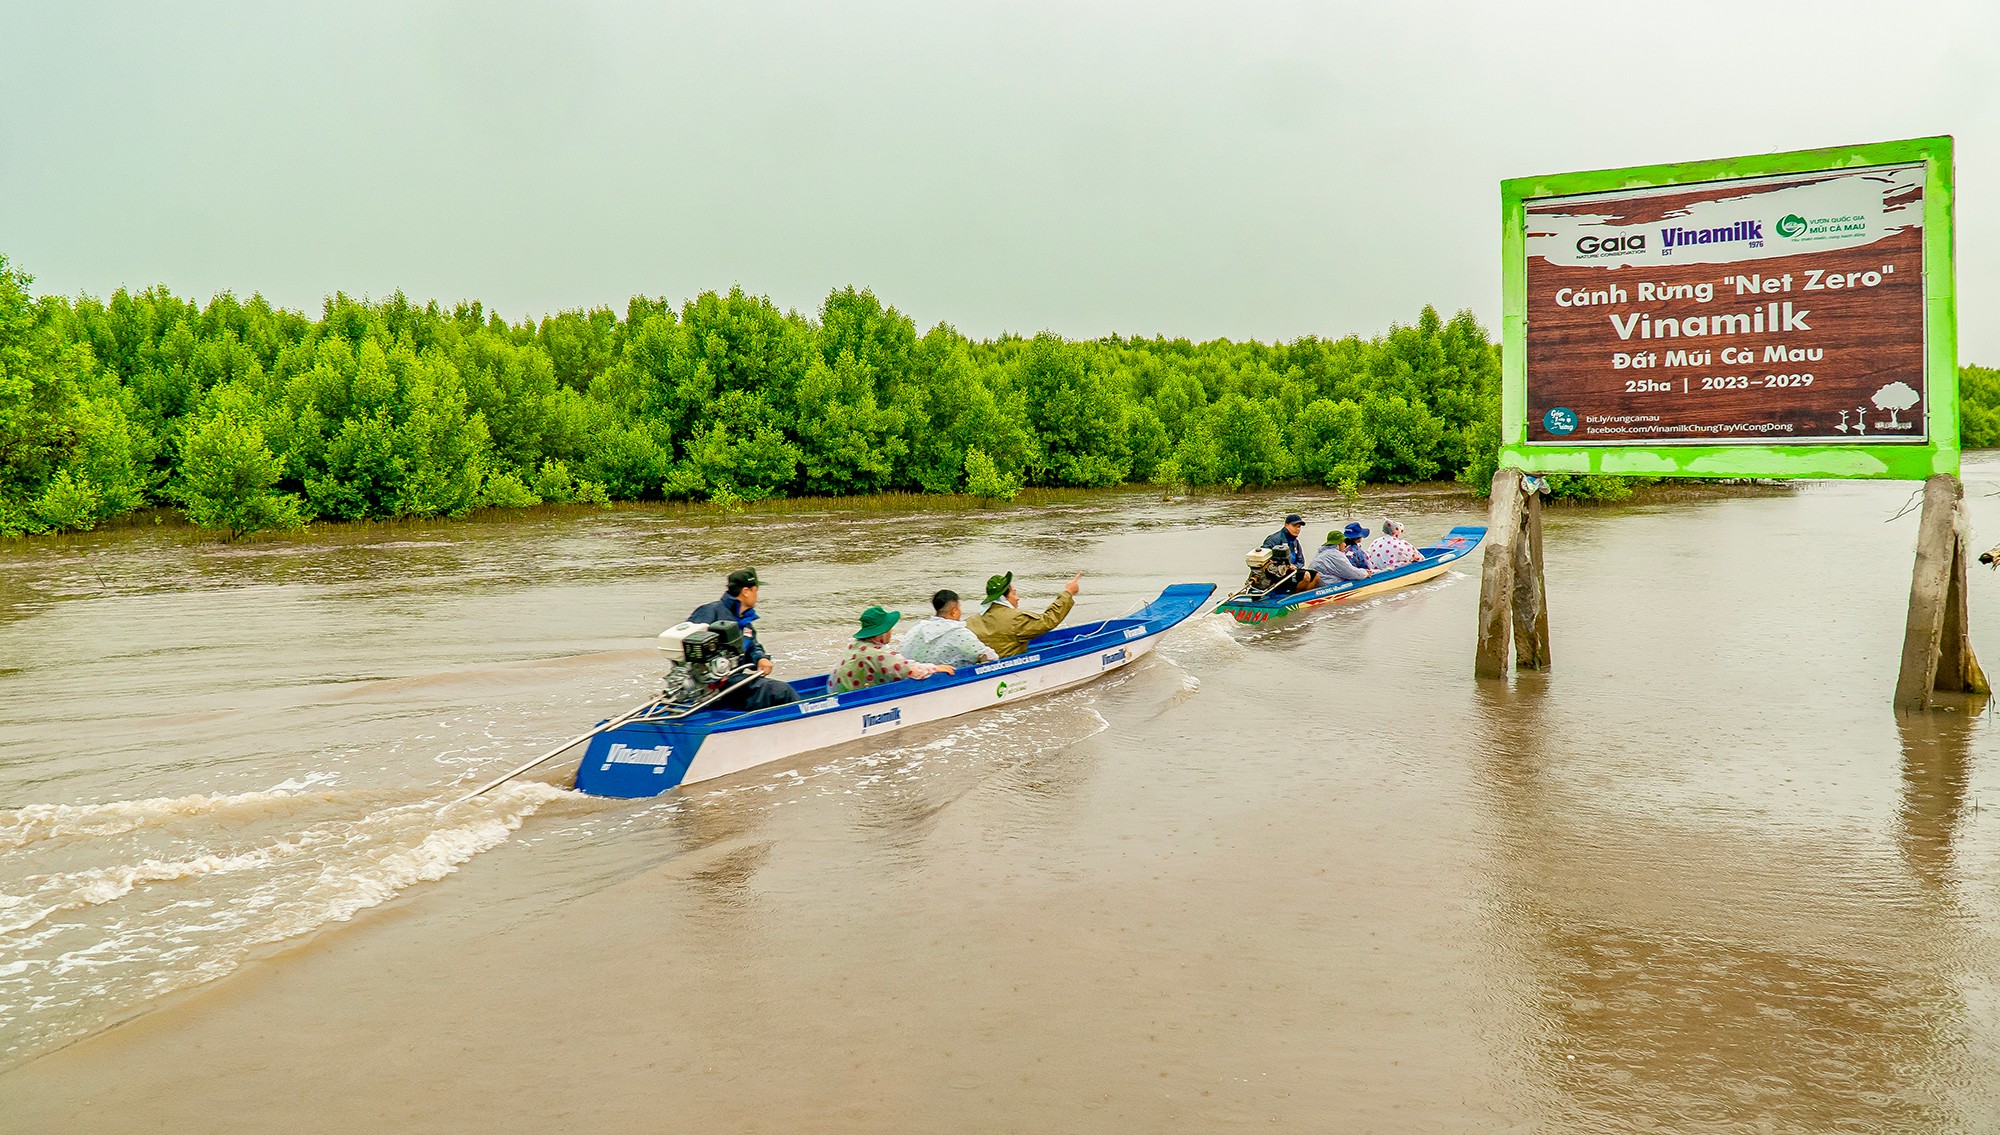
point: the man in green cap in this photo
(1008, 629)
(870, 662)
(738, 605)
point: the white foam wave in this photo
(65, 972)
(1208, 635)
(340, 893)
(33, 823)
(100, 885)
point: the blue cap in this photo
(1353, 531)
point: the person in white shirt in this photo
(943, 638)
(1389, 550)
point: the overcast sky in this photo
(1251, 170)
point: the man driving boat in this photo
(738, 606)
(1304, 578)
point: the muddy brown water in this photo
(1309, 875)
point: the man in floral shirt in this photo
(870, 662)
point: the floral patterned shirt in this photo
(866, 664)
(1386, 552)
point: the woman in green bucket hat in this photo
(870, 662)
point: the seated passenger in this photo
(1390, 550)
(1008, 629)
(943, 638)
(1288, 539)
(870, 662)
(1350, 541)
(1332, 562)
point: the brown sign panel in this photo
(1757, 311)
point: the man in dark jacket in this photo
(737, 605)
(1288, 539)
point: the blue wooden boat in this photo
(658, 749)
(1250, 607)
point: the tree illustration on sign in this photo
(1893, 397)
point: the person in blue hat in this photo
(1287, 539)
(870, 662)
(1351, 538)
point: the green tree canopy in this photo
(248, 416)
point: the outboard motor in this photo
(1269, 567)
(700, 658)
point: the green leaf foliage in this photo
(1979, 407)
(984, 480)
(1333, 442)
(227, 476)
(249, 416)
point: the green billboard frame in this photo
(1908, 461)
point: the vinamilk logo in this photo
(1790, 225)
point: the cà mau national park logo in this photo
(1794, 226)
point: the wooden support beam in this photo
(1496, 574)
(1958, 667)
(1937, 642)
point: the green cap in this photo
(998, 587)
(877, 621)
(743, 577)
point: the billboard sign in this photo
(1788, 315)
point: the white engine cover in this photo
(673, 637)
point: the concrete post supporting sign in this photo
(1531, 607)
(1513, 597)
(1937, 642)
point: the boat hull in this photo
(1437, 559)
(646, 758)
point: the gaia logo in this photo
(1560, 421)
(1000, 691)
(1790, 225)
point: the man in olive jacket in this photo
(1008, 629)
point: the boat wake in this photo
(104, 907)
(37, 822)
(1207, 637)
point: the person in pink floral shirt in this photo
(870, 662)
(1389, 550)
